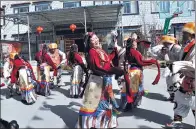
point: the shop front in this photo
(56, 24)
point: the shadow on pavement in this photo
(156, 96)
(188, 126)
(5, 92)
(67, 73)
(74, 104)
(148, 115)
(29, 127)
(36, 118)
(62, 91)
(67, 83)
(185, 126)
(68, 115)
(144, 127)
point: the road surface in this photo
(60, 111)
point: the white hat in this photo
(134, 36)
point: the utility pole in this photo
(1, 54)
(1, 9)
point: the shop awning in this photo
(50, 18)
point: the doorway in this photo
(80, 43)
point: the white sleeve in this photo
(62, 54)
(6, 70)
(176, 51)
(166, 57)
(155, 51)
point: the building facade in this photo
(143, 16)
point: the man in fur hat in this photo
(58, 57)
(188, 46)
(185, 96)
(173, 80)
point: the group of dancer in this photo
(100, 109)
(32, 80)
(92, 74)
(180, 73)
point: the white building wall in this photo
(87, 3)
(57, 4)
(144, 16)
(145, 12)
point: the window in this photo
(165, 6)
(155, 6)
(131, 7)
(16, 21)
(160, 6)
(115, 2)
(4, 36)
(18, 10)
(102, 2)
(42, 7)
(71, 4)
(21, 37)
(185, 5)
(193, 4)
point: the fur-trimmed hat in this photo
(168, 39)
(52, 46)
(189, 27)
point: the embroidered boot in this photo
(177, 123)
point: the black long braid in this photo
(73, 49)
(128, 47)
(87, 46)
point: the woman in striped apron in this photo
(97, 110)
(132, 97)
(43, 71)
(23, 71)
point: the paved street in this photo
(59, 111)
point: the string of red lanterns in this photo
(72, 27)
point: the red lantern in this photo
(72, 27)
(39, 29)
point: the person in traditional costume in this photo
(7, 69)
(131, 96)
(108, 80)
(97, 110)
(78, 65)
(118, 60)
(188, 46)
(85, 75)
(58, 57)
(173, 49)
(22, 72)
(185, 95)
(43, 71)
